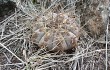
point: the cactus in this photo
(56, 32)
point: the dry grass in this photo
(17, 52)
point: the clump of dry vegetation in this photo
(56, 35)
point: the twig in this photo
(12, 64)
(107, 45)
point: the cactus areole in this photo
(56, 32)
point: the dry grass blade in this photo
(11, 52)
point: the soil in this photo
(6, 9)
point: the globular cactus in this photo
(96, 26)
(56, 32)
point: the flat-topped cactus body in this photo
(56, 32)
